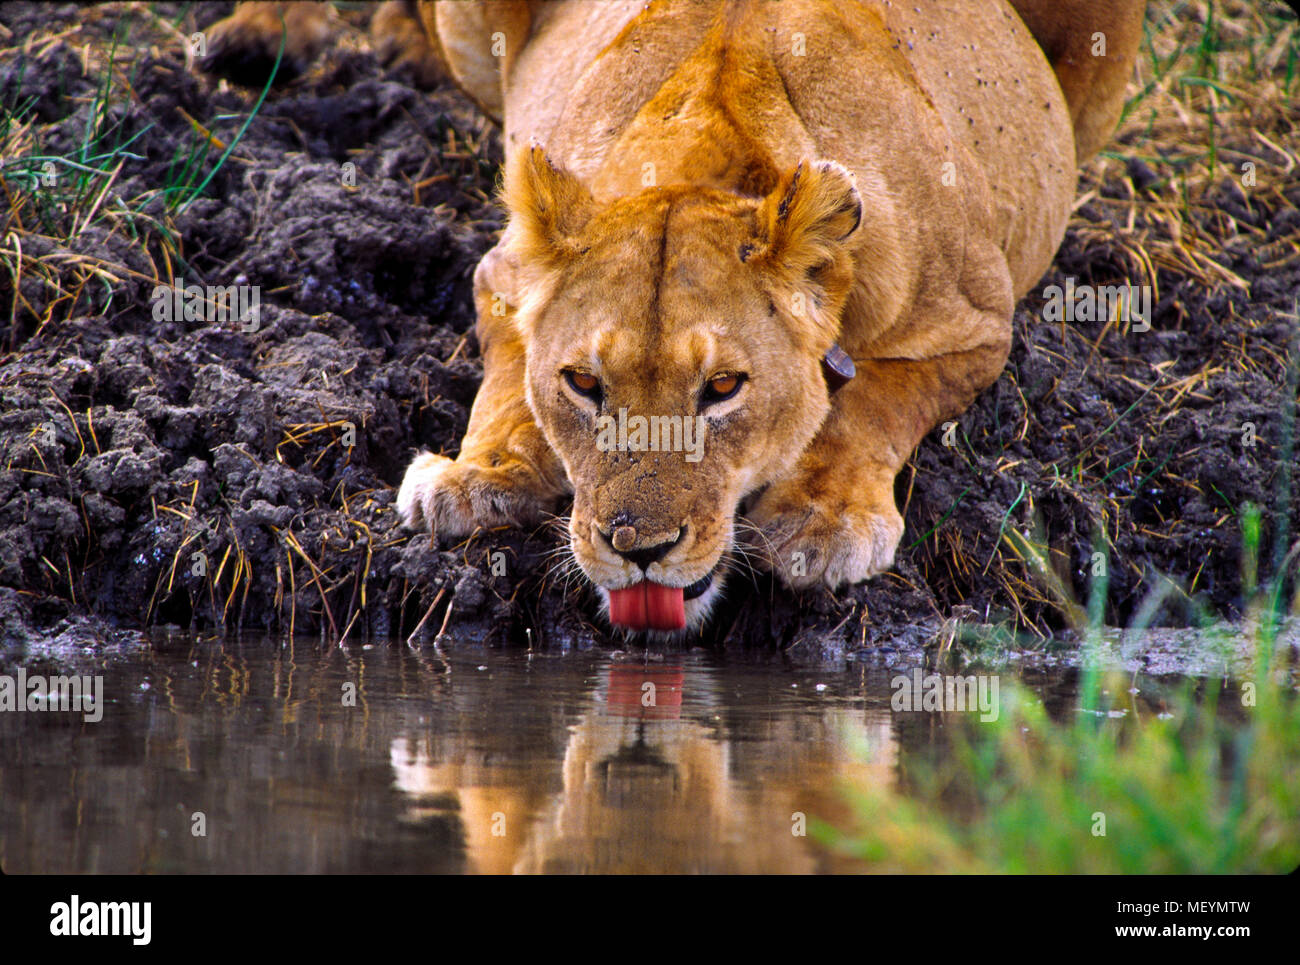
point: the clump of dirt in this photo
(211, 473)
(199, 472)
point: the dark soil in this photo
(194, 474)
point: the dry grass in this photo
(50, 197)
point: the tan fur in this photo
(698, 188)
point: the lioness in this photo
(756, 250)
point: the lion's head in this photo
(675, 342)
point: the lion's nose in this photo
(623, 541)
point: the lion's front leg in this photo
(506, 473)
(833, 520)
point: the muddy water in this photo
(269, 757)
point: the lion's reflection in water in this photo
(654, 777)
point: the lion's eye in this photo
(584, 383)
(720, 388)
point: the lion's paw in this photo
(809, 544)
(454, 498)
(401, 45)
(244, 46)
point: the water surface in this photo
(263, 756)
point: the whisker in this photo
(743, 525)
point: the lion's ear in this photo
(808, 225)
(548, 204)
(813, 207)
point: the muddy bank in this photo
(192, 473)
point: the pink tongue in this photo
(648, 605)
